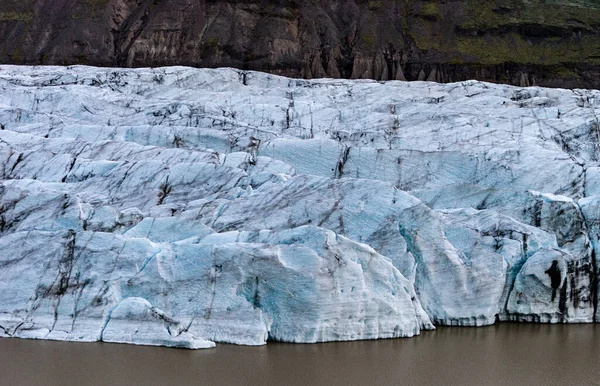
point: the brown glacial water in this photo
(505, 354)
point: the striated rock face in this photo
(535, 42)
(183, 207)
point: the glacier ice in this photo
(182, 207)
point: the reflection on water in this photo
(496, 355)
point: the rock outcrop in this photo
(540, 42)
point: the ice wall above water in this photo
(181, 207)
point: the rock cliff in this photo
(535, 42)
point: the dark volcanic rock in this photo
(542, 42)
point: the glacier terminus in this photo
(186, 207)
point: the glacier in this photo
(185, 207)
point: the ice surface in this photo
(182, 207)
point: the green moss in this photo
(17, 56)
(16, 16)
(368, 40)
(494, 32)
(430, 11)
(375, 4)
(485, 15)
(88, 9)
(212, 43)
(96, 7)
(565, 73)
(513, 48)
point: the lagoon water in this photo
(504, 354)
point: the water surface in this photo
(505, 354)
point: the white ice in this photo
(182, 207)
